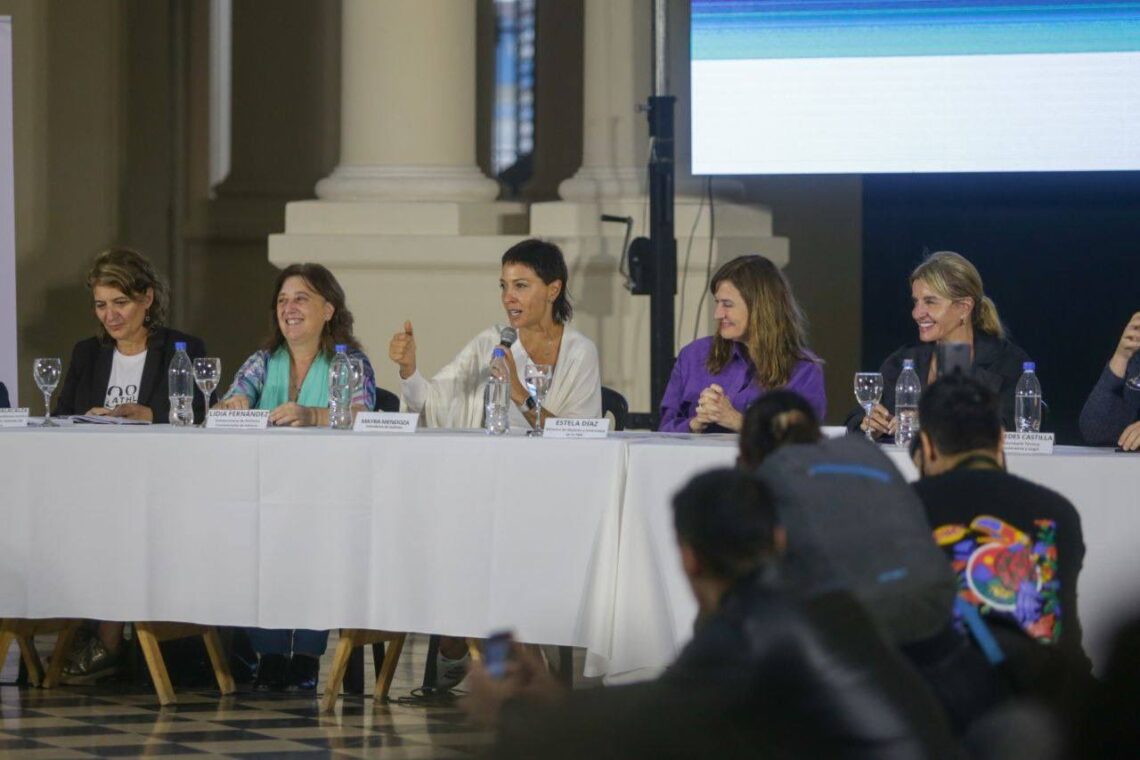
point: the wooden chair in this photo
(351, 639)
(149, 635)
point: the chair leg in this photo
(148, 642)
(388, 669)
(219, 661)
(344, 649)
(59, 654)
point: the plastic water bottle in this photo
(180, 386)
(497, 395)
(340, 390)
(907, 392)
(1027, 400)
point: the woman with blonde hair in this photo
(950, 306)
(760, 344)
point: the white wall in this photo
(7, 217)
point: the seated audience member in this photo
(777, 418)
(121, 372)
(950, 306)
(289, 376)
(760, 344)
(1016, 546)
(1111, 415)
(4, 402)
(534, 294)
(763, 676)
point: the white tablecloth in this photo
(443, 532)
(448, 532)
(654, 609)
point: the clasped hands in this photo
(715, 408)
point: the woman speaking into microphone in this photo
(533, 290)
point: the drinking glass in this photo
(207, 372)
(868, 392)
(47, 373)
(1134, 382)
(538, 378)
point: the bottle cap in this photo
(340, 348)
(499, 351)
(908, 363)
(180, 345)
(1029, 367)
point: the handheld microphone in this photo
(508, 336)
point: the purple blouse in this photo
(738, 378)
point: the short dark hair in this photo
(548, 263)
(336, 330)
(131, 273)
(728, 517)
(777, 418)
(960, 414)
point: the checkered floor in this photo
(120, 721)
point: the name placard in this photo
(567, 427)
(238, 419)
(1029, 443)
(386, 422)
(14, 417)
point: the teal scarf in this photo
(314, 391)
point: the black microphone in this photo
(508, 336)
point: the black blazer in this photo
(997, 365)
(4, 402)
(89, 371)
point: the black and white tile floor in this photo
(122, 721)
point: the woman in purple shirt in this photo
(760, 344)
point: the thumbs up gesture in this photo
(402, 350)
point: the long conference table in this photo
(566, 542)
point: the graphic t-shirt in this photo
(1016, 547)
(126, 375)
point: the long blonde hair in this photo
(777, 328)
(952, 276)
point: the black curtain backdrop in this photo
(1059, 255)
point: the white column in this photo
(617, 70)
(408, 104)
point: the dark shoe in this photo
(272, 672)
(90, 664)
(303, 673)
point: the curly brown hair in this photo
(336, 330)
(128, 271)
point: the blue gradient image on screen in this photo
(758, 29)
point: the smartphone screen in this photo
(496, 653)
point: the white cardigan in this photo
(454, 397)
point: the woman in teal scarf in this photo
(289, 376)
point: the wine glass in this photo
(868, 392)
(207, 372)
(47, 373)
(1133, 382)
(538, 377)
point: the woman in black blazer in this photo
(103, 376)
(950, 306)
(122, 372)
